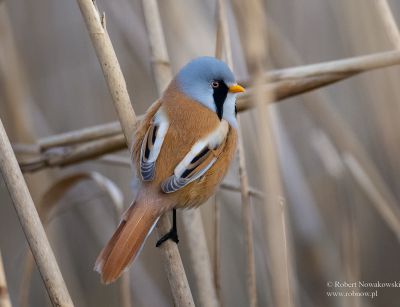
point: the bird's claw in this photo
(171, 235)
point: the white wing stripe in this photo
(147, 166)
(161, 120)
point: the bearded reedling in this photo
(183, 148)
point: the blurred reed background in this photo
(333, 145)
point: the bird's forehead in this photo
(206, 69)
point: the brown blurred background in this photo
(51, 82)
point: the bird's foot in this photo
(171, 235)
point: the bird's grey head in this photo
(210, 82)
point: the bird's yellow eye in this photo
(215, 84)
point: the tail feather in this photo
(127, 241)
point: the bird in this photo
(182, 150)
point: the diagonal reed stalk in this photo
(64, 156)
(4, 296)
(47, 208)
(117, 87)
(31, 224)
(223, 44)
(192, 221)
(83, 135)
(17, 100)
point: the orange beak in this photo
(236, 88)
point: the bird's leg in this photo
(172, 234)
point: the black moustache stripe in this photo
(219, 95)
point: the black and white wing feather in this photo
(151, 145)
(198, 161)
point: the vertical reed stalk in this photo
(247, 222)
(192, 221)
(217, 248)
(117, 87)
(31, 224)
(223, 44)
(252, 20)
(125, 290)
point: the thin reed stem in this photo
(247, 223)
(251, 21)
(47, 208)
(217, 247)
(251, 285)
(79, 136)
(32, 225)
(64, 156)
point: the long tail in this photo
(127, 241)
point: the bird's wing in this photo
(198, 160)
(151, 144)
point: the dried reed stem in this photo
(70, 155)
(160, 60)
(251, 285)
(4, 297)
(389, 22)
(18, 99)
(200, 258)
(348, 66)
(46, 208)
(175, 272)
(25, 285)
(31, 224)
(161, 66)
(117, 86)
(251, 21)
(125, 291)
(248, 223)
(79, 136)
(223, 40)
(217, 248)
(231, 187)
